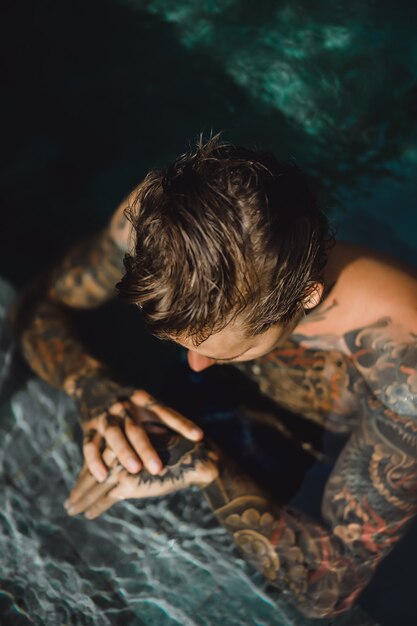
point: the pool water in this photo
(163, 561)
(97, 93)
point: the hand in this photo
(186, 464)
(118, 416)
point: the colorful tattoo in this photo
(318, 384)
(388, 365)
(368, 390)
(371, 494)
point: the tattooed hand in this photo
(117, 415)
(185, 464)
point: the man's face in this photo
(230, 345)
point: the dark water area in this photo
(94, 94)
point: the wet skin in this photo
(349, 365)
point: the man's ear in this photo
(314, 296)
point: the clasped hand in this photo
(116, 415)
(186, 463)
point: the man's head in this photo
(230, 248)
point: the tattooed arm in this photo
(369, 497)
(86, 278)
(321, 566)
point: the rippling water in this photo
(336, 85)
(160, 562)
(332, 84)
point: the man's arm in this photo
(87, 275)
(320, 566)
(369, 498)
(371, 494)
(86, 278)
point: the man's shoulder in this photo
(366, 264)
(378, 307)
(367, 287)
(370, 316)
(372, 285)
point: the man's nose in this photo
(197, 362)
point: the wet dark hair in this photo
(224, 232)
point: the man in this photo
(229, 255)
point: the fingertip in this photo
(155, 467)
(196, 434)
(133, 466)
(100, 475)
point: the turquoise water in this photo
(95, 94)
(162, 562)
(158, 562)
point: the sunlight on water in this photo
(332, 85)
(160, 562)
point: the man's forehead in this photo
(229, 343)
(230, 338)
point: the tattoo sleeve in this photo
(316, 383)
(386, 357)
(321, 566)
(370, 496)
(42, 319)
(87, 275)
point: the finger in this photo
(178, 423)
(86, 480)
(84, 483)
(100, 506)
(95, 493)
(170, 417)
(109, 457)
(93, 460)
(140, 441)
(116, 439)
